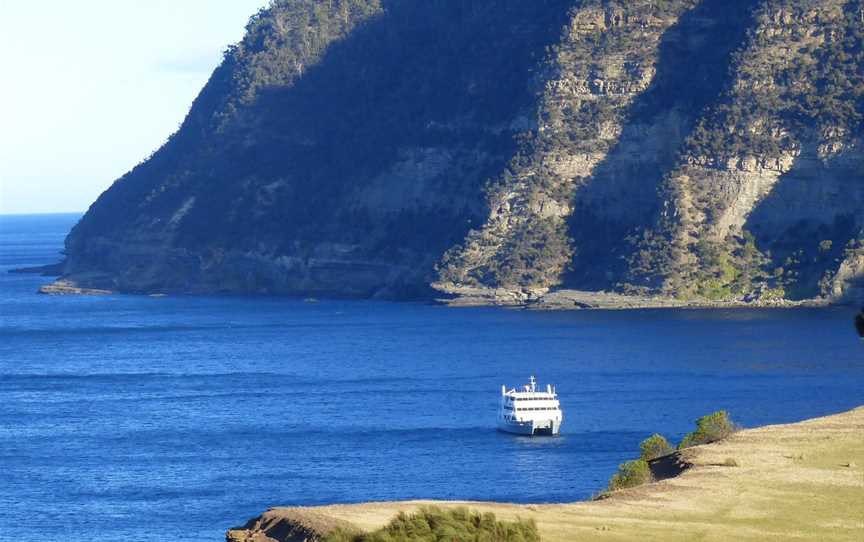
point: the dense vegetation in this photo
(432, 524)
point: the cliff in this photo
(689, 149)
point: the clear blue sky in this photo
(91, 87)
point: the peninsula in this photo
(800, 481)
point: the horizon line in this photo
(25, 213)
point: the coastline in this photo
(802, 480)
(564, 299)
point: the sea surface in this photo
(174, 418)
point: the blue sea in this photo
(175, 418)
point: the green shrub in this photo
(432, 524)
(630, 474)
(655, 446)
(709, 428)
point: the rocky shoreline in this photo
(564, 299)
(68, 287)
(567, 299)
(800, 481)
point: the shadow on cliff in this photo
(692, 72)
(418, 76)
(805, 223)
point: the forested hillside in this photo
(696, 149)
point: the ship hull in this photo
(530, 427)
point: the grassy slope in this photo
(793, 482)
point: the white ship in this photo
(530, 412)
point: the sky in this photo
(89, 88)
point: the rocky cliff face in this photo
(767, 196)
(689, 148)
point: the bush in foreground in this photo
(710, 428)
(433, 524)
(630, 474)
(655, 446)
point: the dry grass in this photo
(800, 481)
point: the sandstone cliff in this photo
(696, 149)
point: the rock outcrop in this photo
(689, 149)
(287, 525)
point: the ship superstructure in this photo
(528, 411)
